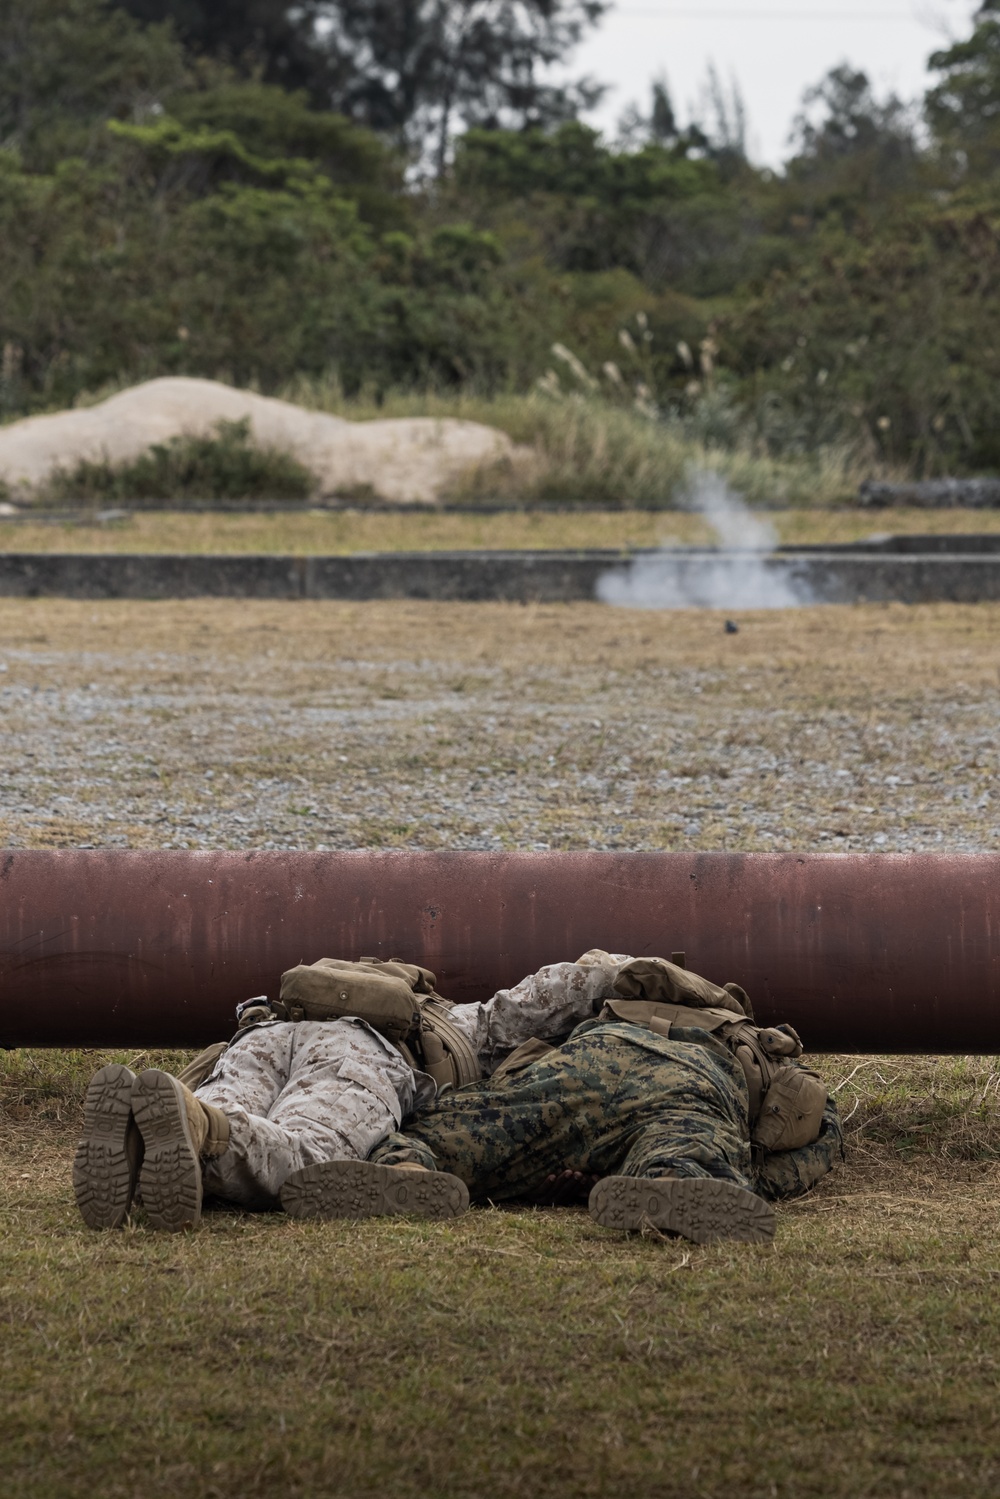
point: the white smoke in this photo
(740, 575)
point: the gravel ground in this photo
(224, 724)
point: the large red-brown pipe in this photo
(889, 952)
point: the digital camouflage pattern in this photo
(299, 1093)
(546, 1005)
(616, 1099)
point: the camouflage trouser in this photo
(616, 1100)
(299, 1094)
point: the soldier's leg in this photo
(253, 1072)
(404, 1150)
(400, 1176)
(109, 1153)
(686, 1174)
(249, 1076)
(340, 1098)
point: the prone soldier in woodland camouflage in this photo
(691, 1117)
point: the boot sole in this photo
(171, 1171)
(357, 1189)
(103, 1175)
(696, 1208)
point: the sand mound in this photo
(410, 461)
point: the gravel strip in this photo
(229, 724)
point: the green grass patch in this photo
(225, 465)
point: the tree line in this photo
(394, 193)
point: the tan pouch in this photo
(663, 982)
(331, 990)
(644, 1012)
(792, 1112)
(420, 980)
(741, 997)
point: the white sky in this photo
(775, 49)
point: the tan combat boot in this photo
(360, 1189)
(177, 1130)
(698, 1208)
(108, 1157)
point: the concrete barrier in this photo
(848, 574)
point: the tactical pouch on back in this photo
(659, 981)
(395, 999)
(332, 989)
(646, 1012)
(791, 1114)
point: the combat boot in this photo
(360, 1189)
(108, 1157)
(698, 1208)
(177, 1130)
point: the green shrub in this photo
(225, 466)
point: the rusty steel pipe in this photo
(884, 952)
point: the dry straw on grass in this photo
(345, 531)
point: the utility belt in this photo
(396, 999)
(786, 1098)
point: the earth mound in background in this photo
(412, 460)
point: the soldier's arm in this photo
(546, 1004)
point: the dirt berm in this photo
(410, 460)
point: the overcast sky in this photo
(775, 49)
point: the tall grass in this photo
(576, 449)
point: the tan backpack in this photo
(786, 1098)
(396, 999)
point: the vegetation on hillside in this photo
(168, 205)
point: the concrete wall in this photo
(836, 575)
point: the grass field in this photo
(517, 1351)
(360, 531)
(508, 1352)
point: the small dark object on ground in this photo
(731, 627)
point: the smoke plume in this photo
(742, 574)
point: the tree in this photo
(851, 146)
(659, 127)
(719, 126)
(407, 68)
(963, 110)
(66, 66)
(271, 40)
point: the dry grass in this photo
(518, 1351)
(326, 532)
(591, 452)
